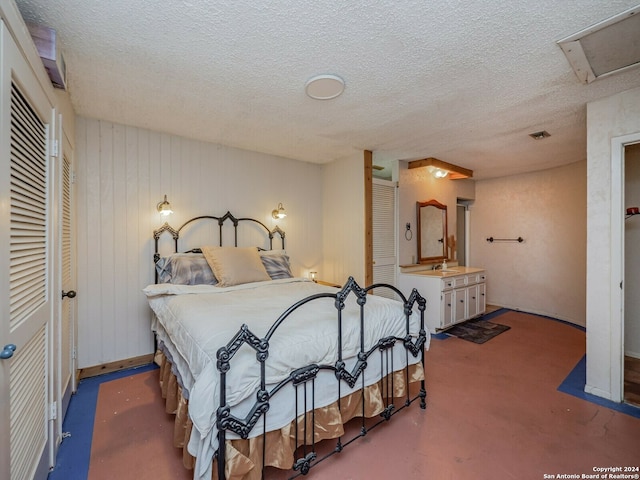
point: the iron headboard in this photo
(175, 233)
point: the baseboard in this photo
(598, 392)
(540, 313)
(115, 366)
(632, 355)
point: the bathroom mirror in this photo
(432, 231)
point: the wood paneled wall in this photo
(344, 221)
(122, 173)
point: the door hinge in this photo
(74, 355)
(54, 148)
(53, 410)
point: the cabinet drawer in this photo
(460, 281)
(447, 283)
(476, 278)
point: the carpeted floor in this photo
(495, 412)
(132, 434)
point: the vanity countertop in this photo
(448, 272)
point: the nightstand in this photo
(329, 284)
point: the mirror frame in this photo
(443, 240)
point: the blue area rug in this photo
(72, 461)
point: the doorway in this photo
(462, 231)
(631, 317)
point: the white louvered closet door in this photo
(68, 304)
(24, 267)
(384, 235)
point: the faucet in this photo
(437, 267)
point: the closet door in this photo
(384, 235)
(67, 355)
(25, 267)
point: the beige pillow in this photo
(234, 266)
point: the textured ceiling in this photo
(465, 82)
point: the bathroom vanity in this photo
(453, 295)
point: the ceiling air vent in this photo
(605, 48)
(45, 40)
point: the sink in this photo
(438, 273)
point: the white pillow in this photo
(234, 265)
(270, 253)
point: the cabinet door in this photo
(482, 299)
(460, 300)
(446, 309)
(472, 301)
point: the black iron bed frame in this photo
(303, 377)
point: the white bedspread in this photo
(195, 321)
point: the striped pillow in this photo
(276, 263)
(185, 269)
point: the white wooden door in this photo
(67, 341)
(384, 235)
(62, 367)
(25, 266)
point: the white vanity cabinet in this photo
(453, 295)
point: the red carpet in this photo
(493, 412)
(132, 435)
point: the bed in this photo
(263, 369)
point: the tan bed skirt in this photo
(243, 457)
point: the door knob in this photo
(7, 351)
(70, 294)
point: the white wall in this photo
(632, 254)
(344, 241)
(615, 116)
(545, 274)
(122, 173)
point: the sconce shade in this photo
(279, 212)
(164, 207)
(441, 169)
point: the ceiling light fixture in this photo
(440, 169)
(540, 135)
(437, 172)
(324, 87)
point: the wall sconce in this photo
(279, 212)
(313, 276)
(440, 169)
(164, 207)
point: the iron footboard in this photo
(302, 379)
